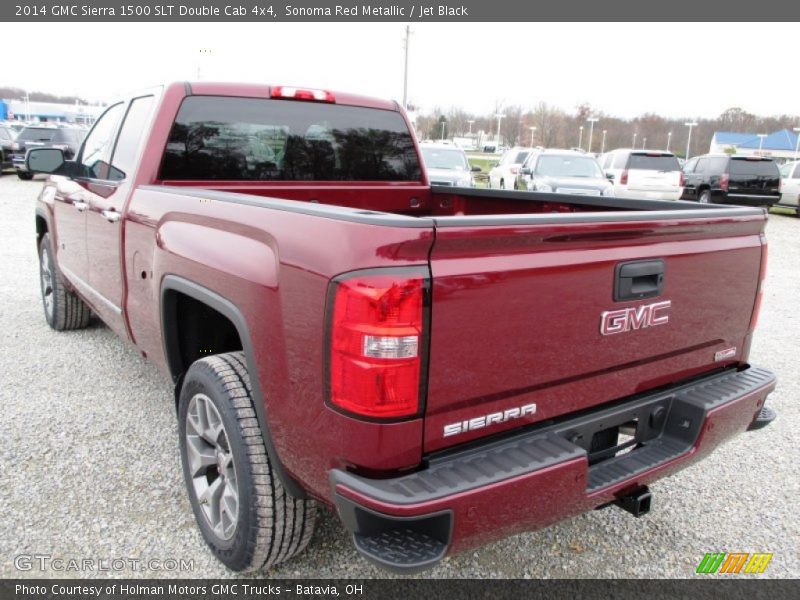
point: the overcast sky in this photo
(674, 69)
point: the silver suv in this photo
(563, 172)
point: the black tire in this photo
(271, 525)
(63, 309)
(25, 175)
(704, 197)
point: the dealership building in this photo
(780, 145)
(48, 112)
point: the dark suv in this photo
(66, 139)
(7, 136)
(732, 179)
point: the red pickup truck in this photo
(442, 366)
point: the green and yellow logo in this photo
(734, 562)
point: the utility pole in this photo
(591, 120)
(533, 131)
(580, 137)
(797, 142)
(633, 145)
(690, 125)
(405, 66)
(603, 144)
(761, 137)
(499, 118)
(669, 138)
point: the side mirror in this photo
(476, 169)
(44, 160)
(610, 176)
(525, 171)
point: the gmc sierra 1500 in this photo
(443, 366)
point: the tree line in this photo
(557, 128)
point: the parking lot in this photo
(91, 467)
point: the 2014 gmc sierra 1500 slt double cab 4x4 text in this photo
(442, 366)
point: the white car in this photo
(447, 164)
(650, 174)
(790, 186)
(502, 177)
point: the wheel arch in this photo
(172, 288)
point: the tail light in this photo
(623, 178)
(293, 93)
(762, 277)
(723, 182)
(682, 182)
(377, 342)
(15, 145)
(514, 170)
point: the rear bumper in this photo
(748, 199)
(667, 194)
(468, 498)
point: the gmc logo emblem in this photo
(638, 317)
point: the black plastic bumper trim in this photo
(669, 423)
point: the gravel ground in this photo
(88, 444)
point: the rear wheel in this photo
(244, 513)
(502, 184)
(705, 197)
(63, 309)
(25, 175)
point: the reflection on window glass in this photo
(249, 139)
(129, 136)
(97, 148)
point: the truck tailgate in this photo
(517, 309)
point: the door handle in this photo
(80, 205)
(111, 216)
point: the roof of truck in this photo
(259, 90)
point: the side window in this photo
(797, 171)
(785, 171)
(97, 148)
(129, 137)
(620, 160)
(702, 166)
(717, 166)
(689, 166)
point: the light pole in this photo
(669, 139)
(499, 118)
(470, 127)
(690, 125)
(591, 121)
(644, 142)
(533, 132)
(797, 143)
(633, 145)
(443, 124)
(603, 143)
(761, 137)
(580, 137)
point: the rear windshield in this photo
(654, 162)
(39, 134)
(445, 158)
(251, 139)
(743, 166)
(520, 158)
(568, 166)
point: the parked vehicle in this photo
(790, 186)
(7, 136)
(653, 174)
(563, 172)
(443, 367)
(732, 179)
(66, 139)
(505, 173)
(447, 164)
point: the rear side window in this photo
(654, 162)
(717, 165)
(620, 160)
(252, 139)
(763, 168)
(520, 158)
